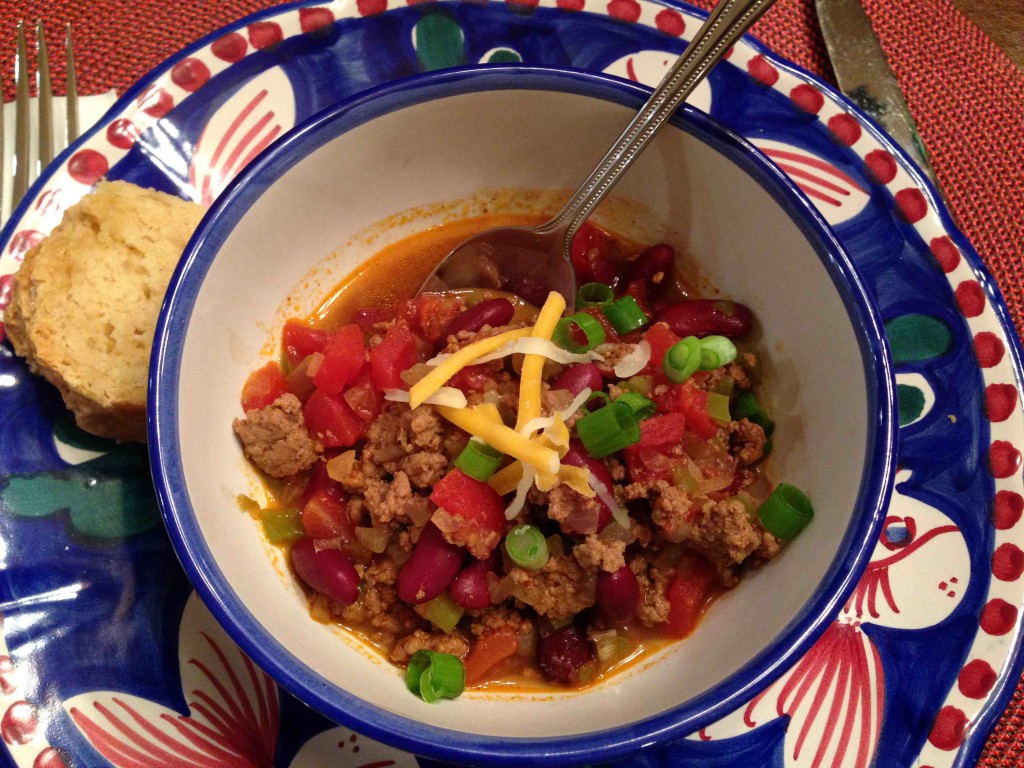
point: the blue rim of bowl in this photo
(440, 743)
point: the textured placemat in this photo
(966, 95)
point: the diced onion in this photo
(635, 361)
(450, 396)
(619, 514)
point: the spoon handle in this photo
(726, 24)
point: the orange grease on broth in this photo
(395, 273)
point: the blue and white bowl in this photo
(334, 191)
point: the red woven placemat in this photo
(966, 95)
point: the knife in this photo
(865, 77)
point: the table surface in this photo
(1001, 20)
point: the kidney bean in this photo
(618, 594)
(562, 654)
(492, 312)
(469, 589)
(433, 565)
(591, 256)
(577, 456)
(578, 377)
(328, 571)
(657, 258)
(706, 317)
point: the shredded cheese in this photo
(502, 438)
(577, 478)
(528, 346)
(450, 396)
(533, 365)
(604, 494)
(635, 361)
(505, 480)
(522, 488)
(433, 381)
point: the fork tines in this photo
(26, 165)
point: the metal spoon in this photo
(530, 262)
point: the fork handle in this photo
(725, 25)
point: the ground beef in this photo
(479, 543)
(612, 353)
(395, 501)
(741, 371)
(275, 438)
(671, 508)
(421, 640)
(558, 590)
(654, 584)
(617, 469)
(497, 617)
(573, 511)
(424, 468)
(769, 547)
(378, 602)
(746, 441)
(594, 553)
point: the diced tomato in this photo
(300, 340)
(330, 420)
(365, 400)
(477, 514)
(691, 590)
(495, 646)
(661, 338)
(646, 465)
(430, 314)
(319, 481)
(662, 431)
(344, 358)
(591, 256)
(686, 399)
(325, 516)
(473, 378)
(263, 387)
(395, 353)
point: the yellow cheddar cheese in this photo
(502, 438)
(533, 365)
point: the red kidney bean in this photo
(618, 594)
(328, 571)
(492, 312)
(562, 654)
(578, 377)
(577, 456)
(706, 317)
(591, 256)
(431, 567)
(469, 589)
(657, 258)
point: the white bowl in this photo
(299, 218)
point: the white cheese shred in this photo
(528, 345)
(449, 396)
(604, 493)
(635, 361)
(522, 488)
(576, 404)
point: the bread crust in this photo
(85, 302)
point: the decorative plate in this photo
(106, 656)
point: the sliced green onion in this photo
(527, 547)
(594, 295)
(589, 326)
(442, 612)
(745, 406)
(642, 406)
(601, 396)
(682, 359)
(608, 429)
(716, 351)
(718, 408)
(433, 675)
(625, 315)
(786, 511)
(282, 525)
(479, 460)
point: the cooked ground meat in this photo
(612, 353)
(654, 584)
(424, 468)
(746, 441)
(275, 438)
(573, 511)
(479, 543)
(378, 602)
(497, 617)
(558, 590)
(594, 553)
(395, 501)
(456, 644)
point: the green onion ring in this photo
(682, 359)
(785, 512)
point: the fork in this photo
(26, 167)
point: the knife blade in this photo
(864, 74)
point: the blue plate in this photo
(110, 659)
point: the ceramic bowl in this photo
(335, 190)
